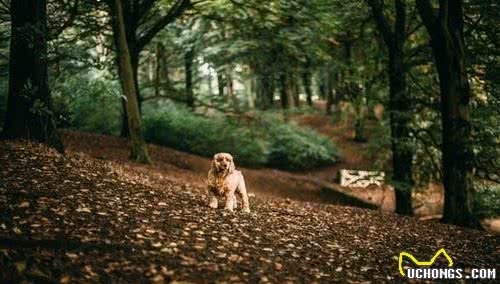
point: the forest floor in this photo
(79, 219)
(93, 216)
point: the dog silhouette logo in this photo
(423, 263)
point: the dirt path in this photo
(354, 155)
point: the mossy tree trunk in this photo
(29, 106)
(138, 150)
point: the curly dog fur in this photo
(225, 182)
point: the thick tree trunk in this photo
(134, 59)
(402, 150)
(400, 103)
(447, 43)
(135, 71)
(188, 66)
(400, 116)
(138, 151)
(29, 107)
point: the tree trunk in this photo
(294, 91)
(188, 63)
(220, 82)
(322, 88)
(399, 102)
(138, 151)
(265, 91)
(330, 96)
(248, 83)
(230, 85)
(29, 106)
(135, 67)
(306, 80)
(157, 73)
(284, 96)
(164, 73)
(402, 151)
(446, 31)
(134, 59)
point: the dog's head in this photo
(223, 163)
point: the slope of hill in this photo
(78, 219)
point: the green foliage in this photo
(179, 128)
(379, 145)
(88, 102)
(487, 202)
(294, 148)
(284, 145)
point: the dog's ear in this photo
(232, 167)
(214, 159)
(212, 163)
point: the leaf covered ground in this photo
(77, 219)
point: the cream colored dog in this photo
(224, 181)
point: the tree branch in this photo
(175, 11)
(426, 13)
(383, 25)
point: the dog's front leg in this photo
(230, 202)
(242, 191)
(212, 199)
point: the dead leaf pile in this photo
(75, 219)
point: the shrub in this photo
(487, 202)
(179, 128)
(294, 148)
(268, 142)
(88, 103)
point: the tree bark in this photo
(138, 151)
(284, 94)
(330, 96)
(446, 32)
(29, 106)
(294, 91)
(306, 80)
(188, 63)
(220, 82)
(264, 90)
(399, 102)
(135, 13)
(159, 53)
(229, 82)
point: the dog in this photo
(224, 181)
